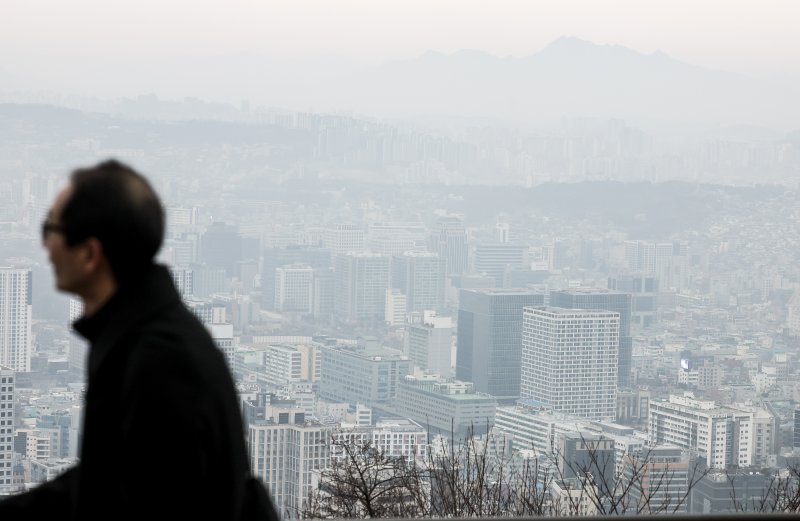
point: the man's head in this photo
(108, 219)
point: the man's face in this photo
(67, 266)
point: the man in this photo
(162, 435)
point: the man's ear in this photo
(93, 256)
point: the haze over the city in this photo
(713, 63)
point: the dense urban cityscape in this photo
(345, 260)
(367, 296)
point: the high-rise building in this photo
(608, 300)
(361, 283)
(429, 343)
(489, 339)
(78, 346)
(183, 277)
(644, 296)
(286, 449)
(665, 260)
(569, 360)
(449, 240)
(294, 288)
(421, 276)
(495, 260)
(796, 431)
(793, 314)
(207, 280)
(6, 430)
(324, 292)
(15, 318)
(221, 247)
(274, 258)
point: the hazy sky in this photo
(747, 36)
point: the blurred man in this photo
(162, 433)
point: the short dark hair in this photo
(116, 205)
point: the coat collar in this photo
(131, 304)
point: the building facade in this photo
(7, 387)
(725, 436)
(354, 374)
(606, 300)
(421, 277)
(361, 283)
(429, 343)
(569, 360)
(285, 451)
(446, 407)
(489, 339)
(15, 318)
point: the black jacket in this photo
(162, 435)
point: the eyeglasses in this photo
(48, 228)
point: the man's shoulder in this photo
(174, 339)
(174, 325)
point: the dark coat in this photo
(163, 435)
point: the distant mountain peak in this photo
(571, 45)
(570, 42)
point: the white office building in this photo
(725, 436)
(429, 343)
(289, 363)
(285, 450)
(569, 360)
(445, 406)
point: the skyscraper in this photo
(274, 258)
(449, 240)
(361, 283)
(221, 246)
(644, 296)
(421, 276)
(6, 430)
(15, 318)
(603, 299)
(569, 360)
(490, 339)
